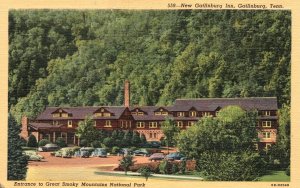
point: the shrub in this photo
(115, 150)
(108, 142)
(165, 167)
(231, 166)
(67, 152)
(96, 144)
(32, 142)
(288, 171)
(43, 142)
(182, 167)
(83, 143)
(145, 171)
(175, 168)
(153, 166)
(126, 162)
(61, 142)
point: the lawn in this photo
(275, 176)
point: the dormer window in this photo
(193, 113)
(206, 114)
(180, 114)
(266, 113)
(106, 114)
(133, 113)
(56, 115)
(60, 114)
(98, 114)
(64, 115)
(140, 113)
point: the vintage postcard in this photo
(147, 94)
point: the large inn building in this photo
(56, 122)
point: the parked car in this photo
(141, 152)
(175, 156)
(156, 157)
(100, 152)
(86, 152)
(49, 147)
(125, 151)
(154, 144)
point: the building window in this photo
(266, 113)
(154, 135)
(190, 123)
(69, 123)
(268, 146)
(98, 114)
(140, 113)
(106, 114)
(193, 114)
(133, 113)
(140, 124)
(180, 114)
(56, 115)
(64, 115)
(157, 113)
(150, 135)
(206, 114)
(266, 135)
(55, 122)
(266, 123)
(152, 124)
(164, 113)
(107, 123)
(179, 124)
(95, 123)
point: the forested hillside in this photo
(72, 58)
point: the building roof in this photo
(211, 104)
(200, 104)
(43, 125)
(82, 112)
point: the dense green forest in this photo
(75, 58)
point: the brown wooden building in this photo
(56, 122)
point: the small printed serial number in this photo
(280, 184)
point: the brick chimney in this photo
(127, 93)
(24, 132)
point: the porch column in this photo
(66, 138)
(54, 137)
(38, 136)
(78, 143)
(74, 141)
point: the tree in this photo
(223, 145)
(127, 138)
(17, 162)
(170, 130)
(126, 162)
(281, 150)
(43, 142)
(143, 139)
(61, 142)
(145, 171)
(136, 140)
(32, 142)
(86, 130)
